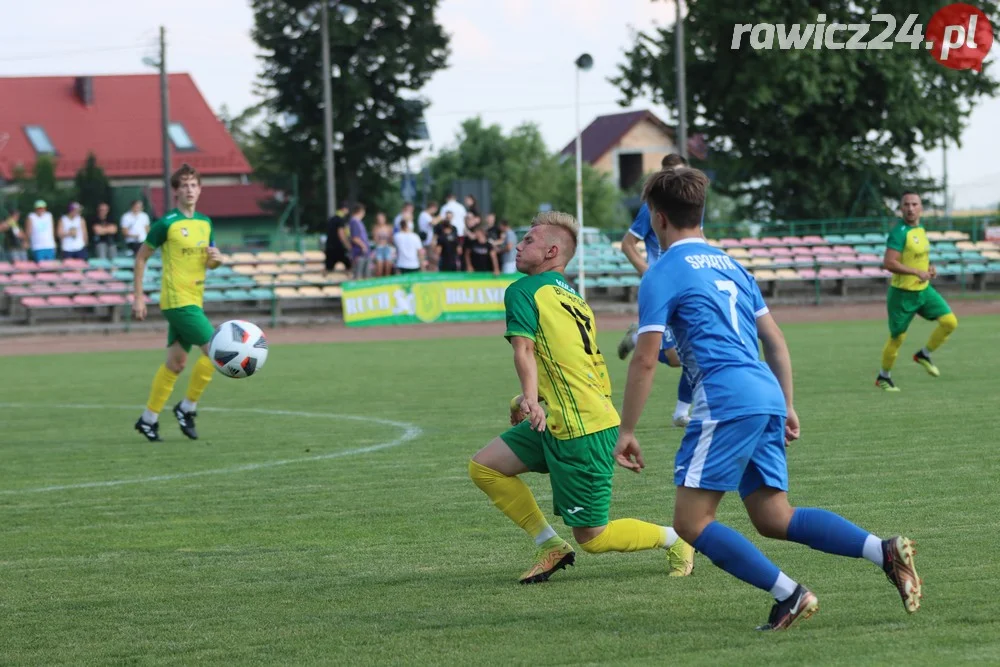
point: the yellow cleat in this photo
(885, 384)
(680, 559)
(549, 562)
(926, 362)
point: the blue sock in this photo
(735, 554)
(684, 389)
(826, 531)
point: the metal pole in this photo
(579, 194)
(296, 212)
(165, 119)
(944, 160)
(331, 183)
(682, 129)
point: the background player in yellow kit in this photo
(907, 256)
(188, 250)
(553, 333)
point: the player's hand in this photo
(627, 452)
(139, 308)
(924, 276)
(214, 255)
(932, 272)
(517, 415)
(791, 427)
(535, 413)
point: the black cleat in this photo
(151, 431)
(186, 421)
(800, 604)
(898, 565)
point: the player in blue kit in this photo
(742, 415)
(641, 230)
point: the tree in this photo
(523, 174)
(804, 133)
(384, 58)
(41, 184)
(92, 185)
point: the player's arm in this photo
(641, 371)
(213, 259)
(496, 263)
(892, 262)
(527, 373)
(630, 247)
(779, 360)
(139, 272)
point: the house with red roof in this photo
(117, 118)
(625, 145)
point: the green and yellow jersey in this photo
(914, 250)
(572, 374)
(185, 242)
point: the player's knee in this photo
(481, 475)
(948, 322)
(176, 365)
(773, 527)
(588, 540)
(689, 528)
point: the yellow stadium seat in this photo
(243, 258)
(291, 255)
(312, 267)
(268, 268)
(286, 292)
(765, 274)
(787, 274)
(286, 278)
(266, 256)
(245, 269)
(965, 245)
(738, 253)
(314, 255)
(935, 236)
(714, 243)
(987, 245)
(264, 279)
(955, 235)
(313, 278)
(310, 290)
(759, 262)
(332, 290)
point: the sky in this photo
(511, 62)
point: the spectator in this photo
(426, 221)
(12, 241)
(471, 205)
(72, 233)
(480, 255)
(406, 213)
(458, 213)
(135, 226)
(105, 233)
(338, 240)
(446, 244)
(409, 249)
(471, 225)
(382, 235)
(360, 246)
(40, 230)
(508, 248)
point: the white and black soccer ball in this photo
(238, 349)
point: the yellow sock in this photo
(201, 375)
(163, 385)
(512, 497)
(891, 351)
(946, 324)
(627, 535)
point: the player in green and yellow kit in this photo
(552, 331)
(907, 256)
(188, 245)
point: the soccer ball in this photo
(238, 349)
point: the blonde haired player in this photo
(188, 245)
(552, 331)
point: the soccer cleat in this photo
(186, 421)
(626, 345)
(926, 362)
(151, 431)
(885, 384)
(681, 421)
(801, 604)
(680, 559)
(898, 565)
(548, 563)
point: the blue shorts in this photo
(742, 454)
(668, 340)
(43, 255)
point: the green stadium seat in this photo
(260, 293)
(97, 263)
(214, 295)
(950, 256)
(875, 237)
(154, 297)
(123, 262)
(944, 245)
(122, 275)
(971, 255)
(853, 239)
(971, 269)
(834, 239)
(950, 269)
(993, 267)
(237, 295)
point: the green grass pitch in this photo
(291, 539)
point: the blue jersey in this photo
(712, 304)
(643, 230)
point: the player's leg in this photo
(195, 329)
(711, 460)
(684, 399)
(494, 469)
(935, 308)
(901, 306)
(581, 471)
(163, 382)
(764, 490)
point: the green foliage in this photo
(523, 174)
(384, 58)
(801, 132)
(42, 184)
(92, 186)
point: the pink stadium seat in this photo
(33, 301)
(48, 277)
(85, 300)
(75, 263)
(843, 248)
(807, 274)
(820, 250)
(72, 276)
(729, 243)
(851, 272)
(813, 240)
(44, 289)
(872, 272)
(17, 291)
(771, 241)
(803, 260)
(869, 258)
(829, 273)
(802, 250)
(4, 279)
(60, 301)
(22, 278)
(6, 267)
(793, 240)
(90, 288)
(782, 251)
(760, 252)
(100, 274)
(25, 266)
(749, 242)
(116, 286)
(111, 299)
(50, 264)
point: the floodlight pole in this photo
(681, 84)
(584, 62)
(331, 177)
(165, 119)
